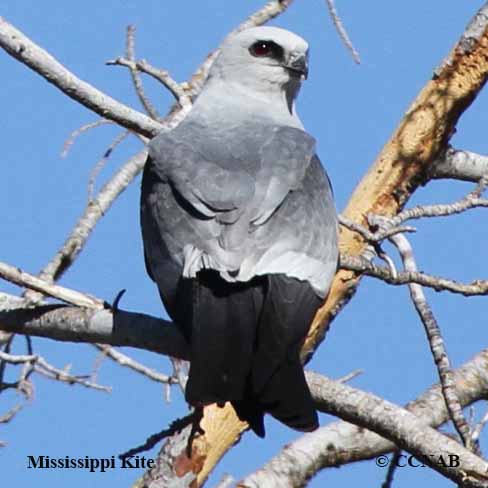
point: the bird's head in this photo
(264, 60)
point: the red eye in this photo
(269, 49)
(261, 49)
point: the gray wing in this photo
(243, 206)
(211, 183)
(301, 237)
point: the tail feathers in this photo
(277, 381)
(245, 341)
(286, 397)
(249, 410)
(222, 335)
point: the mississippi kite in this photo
(240, 230)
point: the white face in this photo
(263, 58)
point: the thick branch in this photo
(400, 426)
(88, 325)
(24, 50)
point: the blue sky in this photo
(350, 109)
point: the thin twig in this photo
(392, 467)
(476, 432)
(136, 79)
(41, 366)
(84, 128)
(21, 278)
(392, 226)
(342, 31)
(436, 343)
(131, 363)
(471, 200)
(45, 369)
(102, 161)
(370, 236)
(389, 262)
(227, 481)
(176, 426)
(180, 371)
(163, 76)
(7, 417)
(3, 364)
(359, 265)
(348, 377)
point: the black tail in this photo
(245, 341)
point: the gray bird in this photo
(240, 230)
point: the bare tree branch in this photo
(436, 342)
(131, 56)
(163, 76)
(342, 31)
(471, 200)
(392, 467)
(227, 481)
(460, 165)
(478, 429)
(95, 326)
(136, 366)
(360, 265)
(7, 417)
(370, 236)
(341, 442)
(101, 163)
(40, 365)
(24, 50)
(21, 278)
(84, 128)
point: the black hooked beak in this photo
(298, 63)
